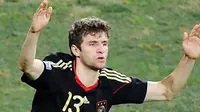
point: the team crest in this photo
(102, 106)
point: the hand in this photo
(41, 17)
(191, 43)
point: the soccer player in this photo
(80, 82)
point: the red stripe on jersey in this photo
(119, 88)
(81, 84)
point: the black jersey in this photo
(58, 89)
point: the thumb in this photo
(185, 36)
(49, 12)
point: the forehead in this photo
(95, 36)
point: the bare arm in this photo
(167, 88)
(170, 86)
(27, 62)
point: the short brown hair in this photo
(84, 26)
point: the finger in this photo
(198, 32)
(194, 30)
(41, 12)
(49, 12)
(42, 5)
(45, 2)
(185, 36)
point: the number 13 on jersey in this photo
(76, 105)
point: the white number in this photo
(76, 105)
(67, 102)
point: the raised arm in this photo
(27, 62)
(168, 88)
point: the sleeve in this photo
(48, 80)
(125, 89)
(133, 92)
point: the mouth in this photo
(101, 59)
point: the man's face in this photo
(94, 50)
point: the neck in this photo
(85, 74)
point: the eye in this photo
(105, 43)
(91, 44)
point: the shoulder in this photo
(58, 55)
(113, 75)
(59, 60)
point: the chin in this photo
(98, 67)
(101, 66)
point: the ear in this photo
(75, 50)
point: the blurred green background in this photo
(146, 42)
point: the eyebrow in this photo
(92, 41)
(105, 41)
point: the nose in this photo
(100, 48)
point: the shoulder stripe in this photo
(125, 78)
(58, 64)
(62, 64)
(113, 75)
(115, 78)
(113, 72)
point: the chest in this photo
(74, 99)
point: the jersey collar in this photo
(78, 81)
